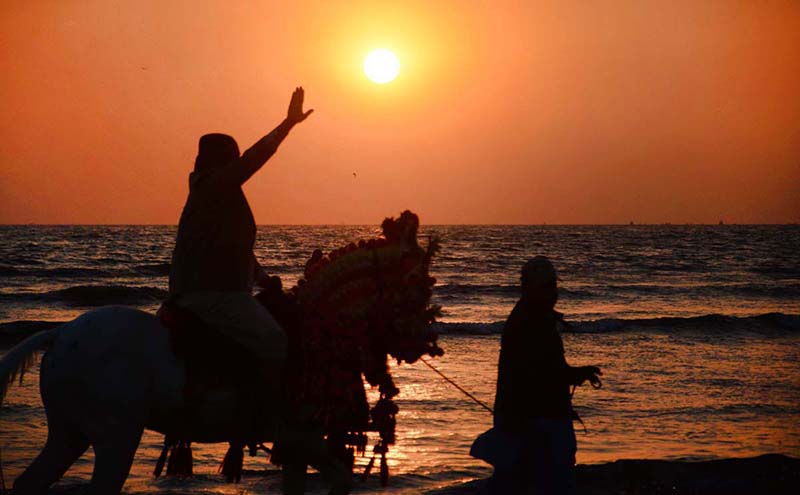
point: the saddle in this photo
(212, 360)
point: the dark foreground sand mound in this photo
(767, 474)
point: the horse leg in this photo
(65, 444)
(309, 448)
(294, 478)
(113, 457)
(338, 476)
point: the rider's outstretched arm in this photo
(258, 154)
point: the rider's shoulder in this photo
(209, 180)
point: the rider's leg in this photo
(65, 444)
(114, 454)
(241, 318)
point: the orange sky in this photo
(504, 112)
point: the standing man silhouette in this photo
(533, 405)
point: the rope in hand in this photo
(456, 385)
(595, 385)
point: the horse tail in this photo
(21, 357)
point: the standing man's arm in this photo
(257, 155)
(571, 375)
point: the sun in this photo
(381, 66)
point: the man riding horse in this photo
(214, 270)
(213, 265)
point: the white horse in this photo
(107, 376)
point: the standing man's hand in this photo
(592, 373)
(295, 115)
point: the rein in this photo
(483, 405)
(491, 411)
(456, 385)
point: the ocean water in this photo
(697, 330)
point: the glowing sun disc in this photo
(381, 66)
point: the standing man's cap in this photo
(538, 271)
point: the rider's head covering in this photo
(215, 150)
(538, 272)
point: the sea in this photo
(695, 327)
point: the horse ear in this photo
(410, 220)
(389, 227)
(404, 229)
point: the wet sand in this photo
(767, 474)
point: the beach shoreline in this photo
(773, 474)
(769, 473)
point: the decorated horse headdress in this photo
(353, 309)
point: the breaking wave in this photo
(92, 295)
(770, 322)
(147, 270)
(784, 290)
(776, 322)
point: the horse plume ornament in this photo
(353, 309)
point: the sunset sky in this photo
(503, 112)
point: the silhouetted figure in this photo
(213, 265)
(533, 403)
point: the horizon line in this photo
(543, 224)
